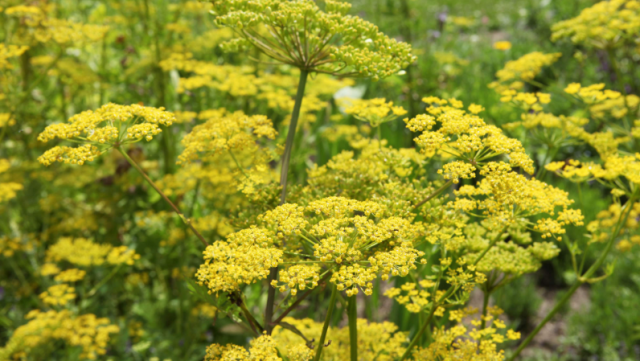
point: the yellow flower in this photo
(524, 69)
(502, 45)
(70, 275)
(375, 111)
(603, 25)
(110, 126)
(335, 43)
(58, 295)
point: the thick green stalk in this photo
(352, 313)
(418, 335)
(327, 321)
(582, 279)
(286, 157)
(485, 304)
(295, 115)
(153, 185)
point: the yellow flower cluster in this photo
(526, 101)
(297, 277)
(358, 240)
(473, 140)
(374, 111)
(205, 310)
(261, 348)
(244, 258)
(8, 52)
(110, 126)
(43, 28)
(312, 39)
(456, 170)
(463, 342)
(87, 331)
(414, 297)
(511, 259)
(58, 295)
(507, 197)
(5, 118)
(614, 168)
(84, 253)
(502, 45)
(9, 246)
(569, 126)
(603, 226)
(233, 132)
(231, 142)
(276, 90)
(376, 341)
(8, 190)
(604, 25)
(522, 70)
(70, 275)
(602, 101)
(361, 176)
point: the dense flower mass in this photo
(110, 126)
(374, 111)
(356, 240)
(603, 25)
(516, 73)
(464, 136)
(301, 34)
(284, 212)
(88, 332)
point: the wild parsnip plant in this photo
(285, 180)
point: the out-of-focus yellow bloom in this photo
(524, 69)
(603, 25)
(502, 45)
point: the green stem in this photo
(238, 164)
(352, 313)
(104, 281)
(255, 325)
(418, 335)
(485, 303)
(297, 302)
(286, 157)
(153, 185)
(295, 115)
(327, 321)
(434, 194)
(493, 243)
(581, 279)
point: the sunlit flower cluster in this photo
(603, 25)
(469, 342)
(324, 42)
(506, 196)
(374, 111)
(88, 332)
(85, 253)
(8, 190)
(110, 126)
(523, 70)
(464, 136)
(380, 341)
